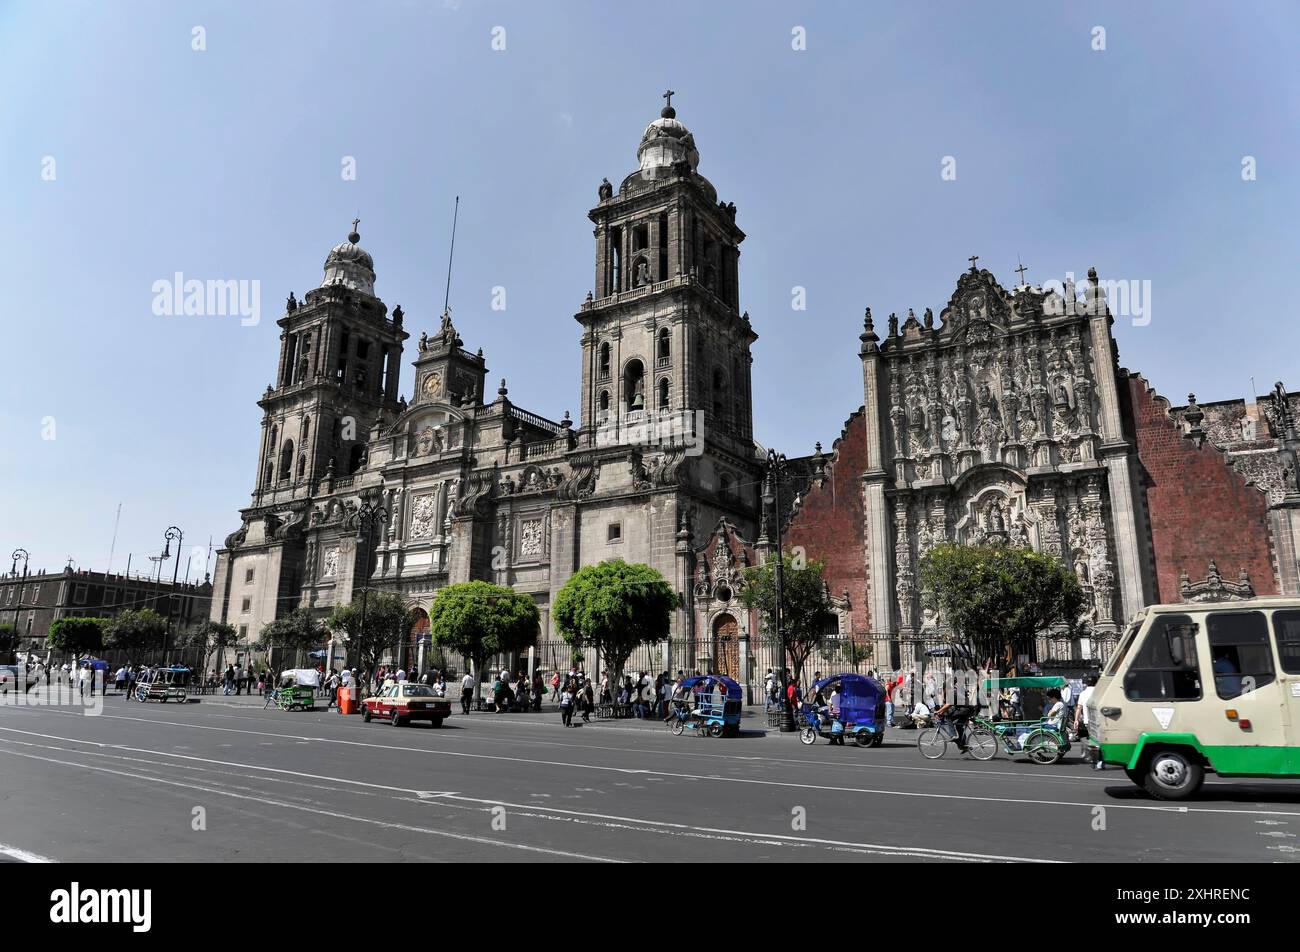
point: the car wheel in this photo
(1173, 775)
(395, 719)
(365, 713)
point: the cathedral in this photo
(471, 484)
(1006, 419)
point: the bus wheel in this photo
(1172, 775)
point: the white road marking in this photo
(23, 856)
(775, 839)
(333, 814)
(714, 778)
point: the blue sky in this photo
(226, 163)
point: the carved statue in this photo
(291, 305)
(642, 273)
(605, 191)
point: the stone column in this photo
(876, 517)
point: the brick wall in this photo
(1200, 508)
(829, 523)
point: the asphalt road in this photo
(217, 781)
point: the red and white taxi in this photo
(403, 703)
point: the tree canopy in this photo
(296, 632)
(388, 620)
(614, 607)
(212, 636)
(995, 600)
(479, 619)
(136, 632)
(807, 616)
(76, 635)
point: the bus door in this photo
(1286, 634)
(1247, 683)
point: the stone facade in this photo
(1009, 420)
(476, 487)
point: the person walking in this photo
(566, 704)
(466, 691)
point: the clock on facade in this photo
(433, 384)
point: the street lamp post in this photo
(364, 520)
(776, 471)
(171, 533)
(23, 555)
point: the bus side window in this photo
(1286, 626)
(1239, 652)
(1165, 666)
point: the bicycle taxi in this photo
(709, 704)
(164, 684)
(1042, 740)
(862, 712)
(296, 690)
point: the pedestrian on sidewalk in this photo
(466, 691)
(566, 704)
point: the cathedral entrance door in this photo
(726, 646)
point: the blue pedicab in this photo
(708, 705)
(862, 712)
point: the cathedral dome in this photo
(667, 142)
(351, 265)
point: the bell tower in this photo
(664, 342)
(340, 358)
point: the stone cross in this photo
(668, 95)
(1021, 271)
(972, 259)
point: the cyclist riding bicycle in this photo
(958, 716)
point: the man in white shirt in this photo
(401, 675)
(466, 691)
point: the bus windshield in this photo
(1125, 644)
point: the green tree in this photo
(211, 636)
(807, 618)
(614, 607)
(76, 636)
(295, 632)
(136, 632)
(995, 600)
(388, 620)
(479, 619)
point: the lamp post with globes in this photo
(171, 533)
(776, 471)
(368, 514)
(19, 555)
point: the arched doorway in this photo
(726, 646)
(419, 630)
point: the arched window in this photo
(604, 360)
(634, 385)
(286, 461)
(663, 393)
(306, 430)
(302, 465)
(604, 401)
(665, 349)
(269, 474)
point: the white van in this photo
(1202, 686)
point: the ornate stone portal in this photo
(995, 427)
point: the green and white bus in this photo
(1197, 687)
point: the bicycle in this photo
(981, 739)
(1040, 740)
